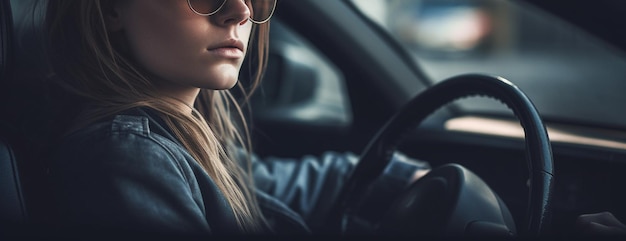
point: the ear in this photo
(112, 15)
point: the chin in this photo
(226, 78)
(230, 86)
(223, 85)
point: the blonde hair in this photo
(95, 68)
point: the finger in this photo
(604, 218)
(594, 228)
(610, 220)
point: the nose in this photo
(233, 11)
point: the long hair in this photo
(93, 67)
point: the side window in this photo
(565, 71)
(300, 86)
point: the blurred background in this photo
(564, 70)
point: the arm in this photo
(311, 185)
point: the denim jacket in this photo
(129, 173)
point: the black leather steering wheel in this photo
(381, 148)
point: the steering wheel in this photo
(441, 199)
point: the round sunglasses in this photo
(260, 10)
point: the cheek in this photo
(166, 46)
(163, 50)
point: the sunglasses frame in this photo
(221, 6)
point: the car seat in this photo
(12, 205)
(22, 183)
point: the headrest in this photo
(6, 29)
(23, 62)
(28, 50)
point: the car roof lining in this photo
(601, 18)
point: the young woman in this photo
(151, 139)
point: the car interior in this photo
(13, 207)
(334, 79)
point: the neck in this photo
(186, 99)
(184, 94)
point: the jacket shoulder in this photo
(134, 177)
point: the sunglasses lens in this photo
(206, 6)
(261, 10)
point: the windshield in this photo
(569, 75)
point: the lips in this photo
(228, 44)
(230, 49)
